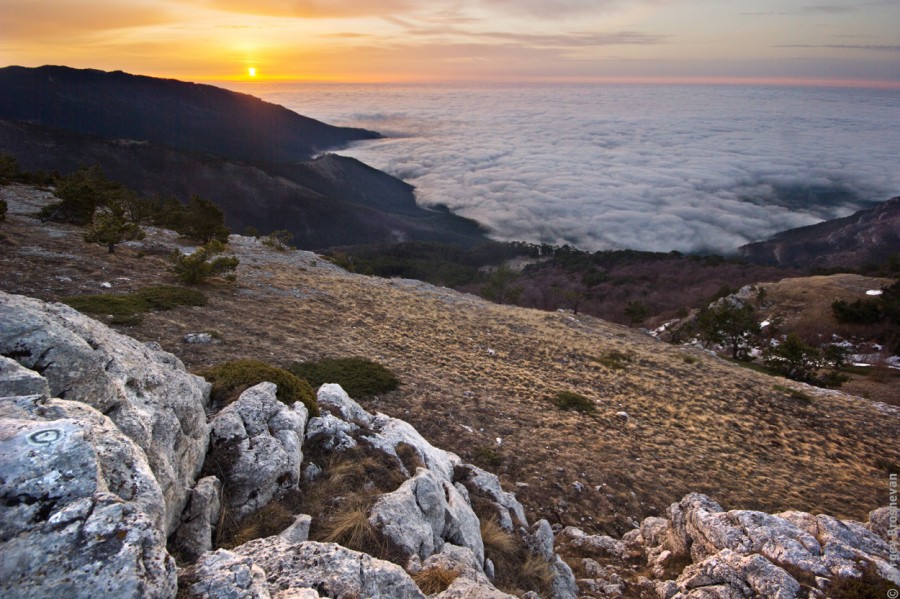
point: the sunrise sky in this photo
(406, 40)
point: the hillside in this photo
(867, 236)
(189, 116)
(478, 377)
(259, 162)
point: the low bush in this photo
(359, 377)
(2, 210)
(568, 400)
(128, 308)
(203, 263)
(230, 379)
(487, 457)
(614, 360)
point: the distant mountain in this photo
(252, 158)
(332, 200)
(863, 237)
(187, 116)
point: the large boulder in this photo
(425, 512)
(730, 574)
(63, 533)
(332, 570)
(255, 445)
(147, 393)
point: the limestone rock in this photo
(424, 512)
(256, 445)
(332, 570)
(62, 533)
(148, 394)
(297, 532)
(335, 400)
(224, 575)
(471, 583)
(391, 432)
(880, 521)
(598, 544)
(16, 380)
(737, 575)
(194, 537)
(479, 482)
(64, 430)
(331, 433)
(540, 541)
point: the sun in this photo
(251, 71)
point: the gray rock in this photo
(297, 532)
(332, 570)
(880, 521)
(148, 394)
(224, 575)
(97, 546)
(198, 338)
(256, 445)
(423, 513)
(540, 541)
(331, 433)
(334, 399)
(479, 482)
(606, 546)
(312, 473)
(738, 576)
(391, 432)
(297, 594)
(16, 380)
(471, 583)
(194, 537)
(44, 448)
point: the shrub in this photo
(568, 400)
(279, 240)
(204, 221)
(127, 308)
(794, 359)
(199, 266)
(859, 312)
(359, 377)
(80, 194)
(487, 457)
(230, 379)
(9, 169)
(2, 210)
(614, 360)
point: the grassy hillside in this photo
(480, 379)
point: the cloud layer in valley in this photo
(686, 168)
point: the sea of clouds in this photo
(688, 168)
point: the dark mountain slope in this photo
(864, 237)
(187, 116)
(321, 210)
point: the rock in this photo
(194, 537)
(510, 512)
(198, 338)
(331, 433)
(335, 400)
(297, 532)
(46, 441)
(332, 570)
(880, 521)
(391, 432)
(603, 545)
(424, 512)
(737, 576)
(256, 445)
(539, 541)
(471, 583)
(16, 380)
(297, 594)
(312, 473)
(224, 575)
(147, 394)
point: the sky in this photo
(807, 41)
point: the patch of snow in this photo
(873, 292)
(764, 324)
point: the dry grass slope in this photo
(475, 372)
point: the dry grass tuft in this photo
(536, 574)
(434, 580)
(348, 525)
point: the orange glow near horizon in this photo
(400, 41)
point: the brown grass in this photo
(434, 580)
(708, 426)
(348, 525)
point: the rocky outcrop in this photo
(195, 534)
(510, 512)
(63, 533)
(540, 541)
(255, 445)
(744, 553)
(147, 394)
(332, 570)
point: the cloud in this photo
(311, 9)
(867, 47)
(645, 167)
